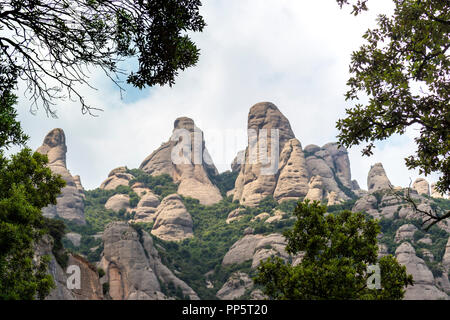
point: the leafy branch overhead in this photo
(403, 71)
(51, 44)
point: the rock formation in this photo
(238, 161)
(90, 288)
(424, 287)
(117, 177)
(185, 158)
(405, 232)
(256, 248)
(133, 267)
(146, 208)
(69, 204)
(172, 221)
(284, 171)
(421, 186)
(118, 202)
(377, 178)
(235, 287)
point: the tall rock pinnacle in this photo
(185, 158)
(69, 204)
(296, 170)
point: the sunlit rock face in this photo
(185, 158)
(69, 204)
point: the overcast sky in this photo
(292, 53)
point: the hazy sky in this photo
(292, 53)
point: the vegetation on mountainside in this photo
(338, 250)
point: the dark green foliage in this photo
(347, 205)
(162, 185)
(56, 229)
(337, 248)
(10, 129)
(60, 39)
(105, 288)
(224, 181)
(403, 67)
(26, 186)
(100, 272)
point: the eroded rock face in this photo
(117, 177)
(377, 178)
(421, 186)
(290, 177)
(191, 172)
(60, 292)
(293, 175)
(256, 248)
(405, 232)
(133, 267)
(118, 202)
(146, 208)
(173, 222)
(90, 288)
(235, 286)
(234, 215)
(70, 203)
(316, 189)
(238, 161)
(424, 287)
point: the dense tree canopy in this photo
(50, 44)
(26, 186)
(338, 249)
(403, 70)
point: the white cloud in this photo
(292, 53)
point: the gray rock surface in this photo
(405, 232)
(377, 178)
(173, 222)
(191, 173)
(118, 202)
(256, 248)
(424, 287)
(133, 267)
(70, 203)
(235, 286)
(117, 177)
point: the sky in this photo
(292, 53)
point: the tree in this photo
(26, 186)
(403, 69)
(50, 44)
(338, 249)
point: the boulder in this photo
(256, 248)
(118, 202)
(405, 232)
(185, 158)
(117, 177)
(173, 222)
(235, 287)
(69, 205)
